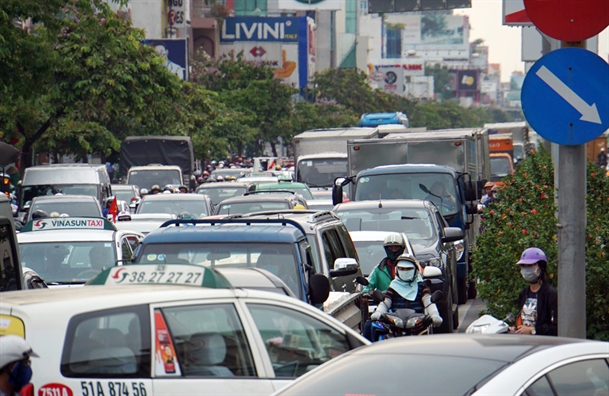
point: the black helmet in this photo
(39, 214)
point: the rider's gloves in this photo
(382, 308)
(432, 310)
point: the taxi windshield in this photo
(277, 258)
(67, 262)
(73, 209)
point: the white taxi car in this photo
(70, 250)
(192, 335)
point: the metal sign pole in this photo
(572, 241)
(572, 237)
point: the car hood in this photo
(423, 247)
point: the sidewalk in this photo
(469, 312)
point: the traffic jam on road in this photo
(227, 283)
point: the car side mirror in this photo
(319, 288)
(344, 267)
(452, 234)
(431, 272)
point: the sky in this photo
(504, 42)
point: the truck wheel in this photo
(447, 316)
(462, 290)
(471, 290)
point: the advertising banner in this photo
(174, 54)
(285, 43)
(467, 80)
(310, 4)
(433, 32)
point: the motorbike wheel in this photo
(462, 290)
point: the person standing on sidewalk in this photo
(538, 302)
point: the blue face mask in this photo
(20, 376)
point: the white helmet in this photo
(394, 239)
(407, 268)
(14, 348)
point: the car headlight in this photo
(436, 262)
(460, 247)
(477, 329)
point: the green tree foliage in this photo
(251, 89)
(102, 83)
(349, 87)
(442, 80)
(526, 217)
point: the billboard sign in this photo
(260, 29)
(174, 54)
(310, 5)
(285, 43)
(423, 32)
(467, 80)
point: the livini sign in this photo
(260, 29)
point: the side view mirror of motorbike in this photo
(362, 281)
(378, 296)
(437, 296)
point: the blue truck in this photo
(414, 166)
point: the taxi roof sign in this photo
(68, 223)
(172, 274)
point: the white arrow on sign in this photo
(589, 113)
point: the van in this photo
(68, 179)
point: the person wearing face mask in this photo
(15, 371)
(407, 290)
(538, 302)
(382, 275)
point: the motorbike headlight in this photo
(477, 329)
(436, 262)
(460, 247)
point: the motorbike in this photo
(402, 321)
(487, 324)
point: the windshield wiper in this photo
(408, 218)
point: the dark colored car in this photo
(427, 231)
(495, 364)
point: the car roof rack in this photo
(270, 191)
(315, 216)
(234, 220)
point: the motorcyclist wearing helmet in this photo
(407, 290)
(155, 189)
(15, 370)
(538, 302)
(382, 275)
(182, 189)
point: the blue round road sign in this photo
(565, 96)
